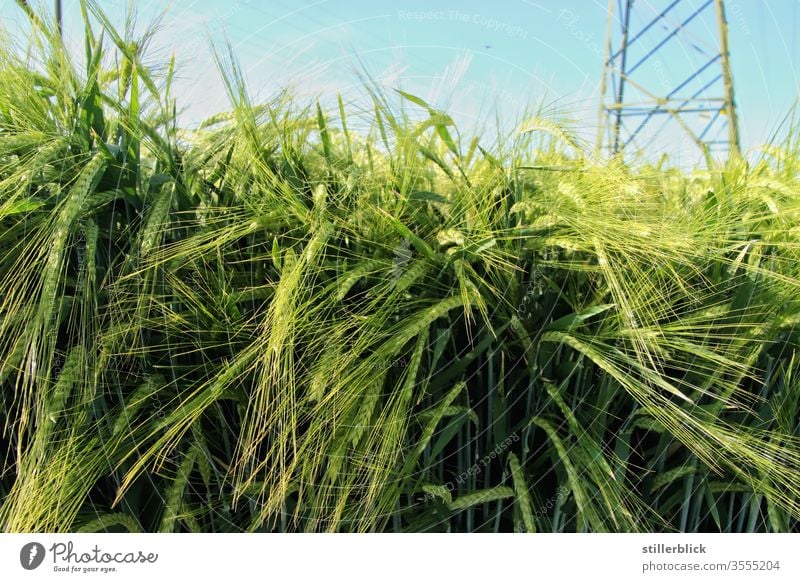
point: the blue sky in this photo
(474, 58)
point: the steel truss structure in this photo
(639, 37)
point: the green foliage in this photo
(278, 323)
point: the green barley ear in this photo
(478, 497)
(440, 491)
(276, 255)
(126, 69)
(522, 494)
(175, 493)
(157, 219)
(541, 124)
(68, 213)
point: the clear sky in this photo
(472, 57)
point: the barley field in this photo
(276, 322)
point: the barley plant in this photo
(277, 322)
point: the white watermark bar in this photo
(369, 557)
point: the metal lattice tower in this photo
(644, 39)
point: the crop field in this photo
(300, 318)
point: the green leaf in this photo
(574, 320)
(324, 136)
(418, 243)
(448, 433)
(20, 206)
(416, 100)
(425, 196)
(444, 133)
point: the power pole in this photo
(645, 41)
(59, 18)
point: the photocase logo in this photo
(31, 555)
